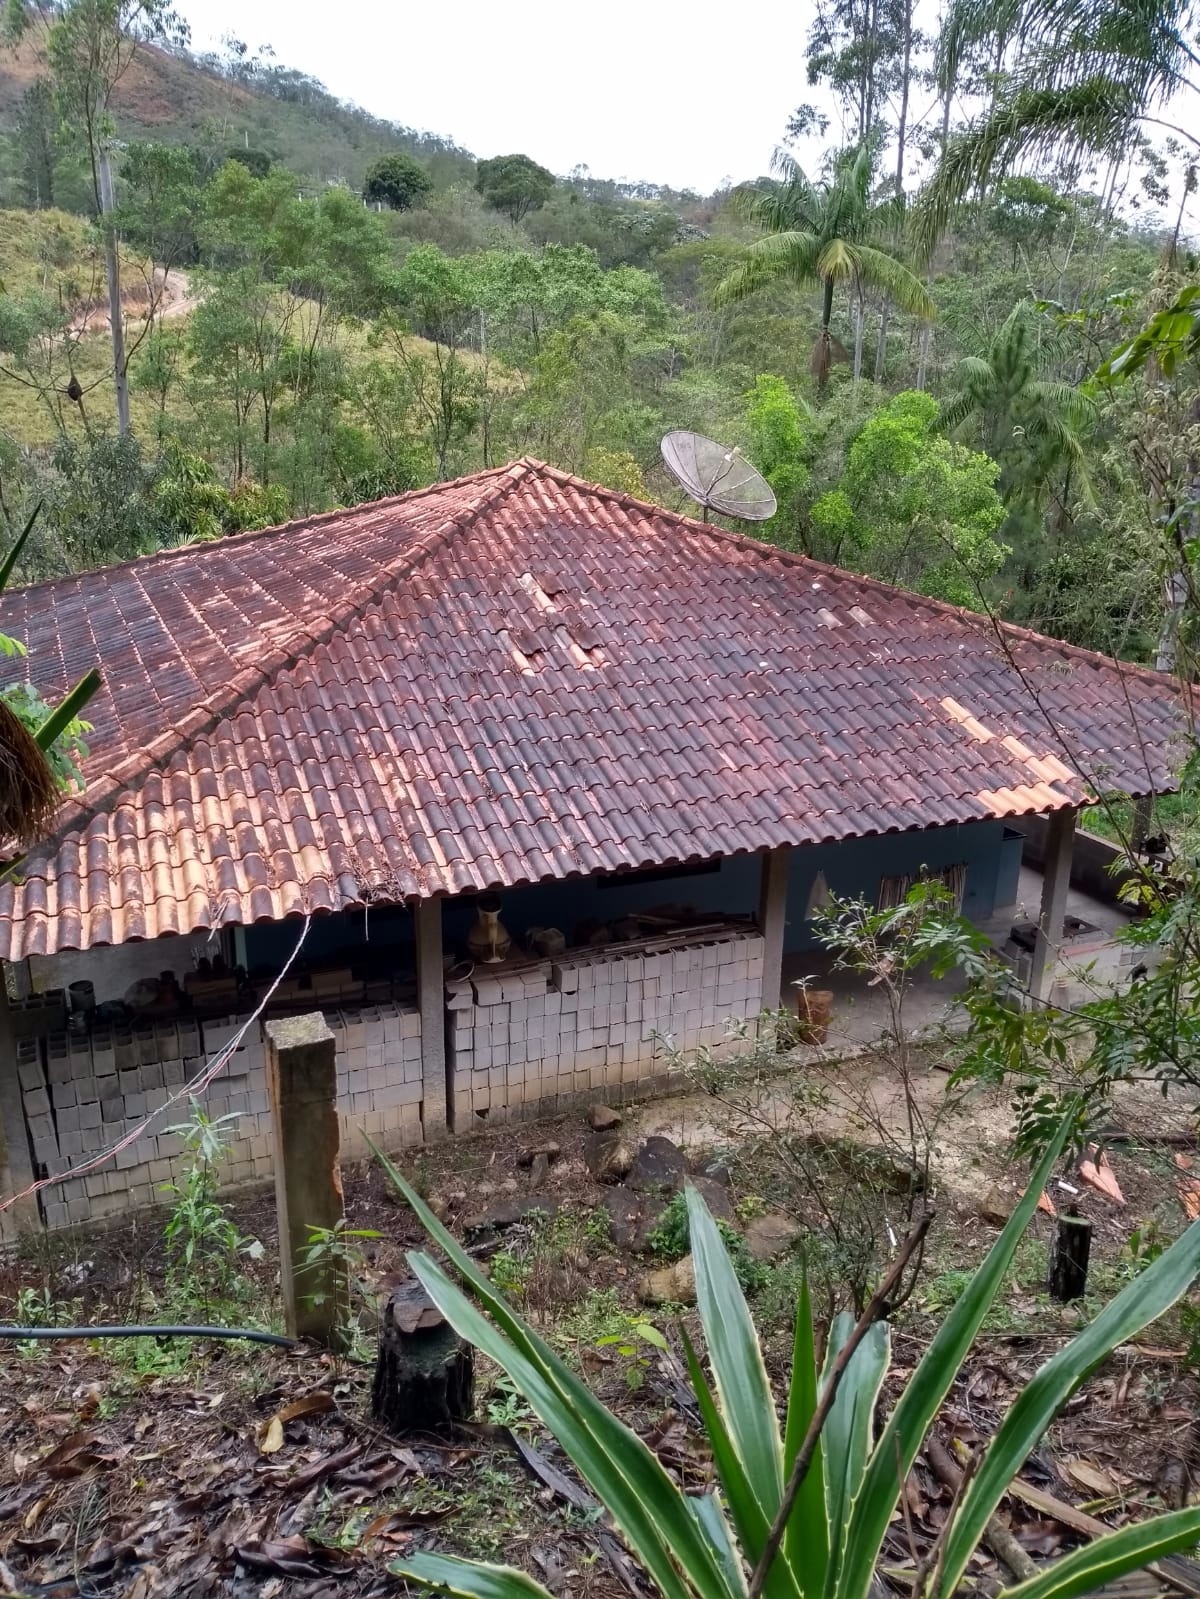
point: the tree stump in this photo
(425, 1374)
(1069, 1257)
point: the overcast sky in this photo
(685, 94)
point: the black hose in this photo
(251, 1334)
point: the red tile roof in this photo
(519, 676)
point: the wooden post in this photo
(1056, 884)
(302, 1082)
(1069, 1257)
(437, 1095)
(16, 1163)
(772, 920)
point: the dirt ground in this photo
(147, 1468)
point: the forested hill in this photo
(230, 103)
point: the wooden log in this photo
(1069, 1257)
(425, 1373)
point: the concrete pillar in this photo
(16, 1163)
(437, 1094)
(302, 1083)
(1056, 884)
(772, 920)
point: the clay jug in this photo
(488, 940)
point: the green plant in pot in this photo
(802, 1510)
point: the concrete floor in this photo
(1089, 961)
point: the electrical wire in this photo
(250, 1334)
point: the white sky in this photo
(686, 93)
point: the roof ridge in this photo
(239, 688)
(298, 524)
(767, 551)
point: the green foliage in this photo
(914, 508)
(397, 181)
(1026, 212)
(775, 427)
(668, 1239)
(203, 1245)
(514, 184)
(832, 1495)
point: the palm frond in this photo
(838, 261)
(1093, 115)
(878, 270)
(953, 412)
(778, 255)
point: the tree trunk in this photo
(425, 1374)
(902, 119)
(881, 352)
(858, 335)
(115, 313)
(1069, 1257)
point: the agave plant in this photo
(799, 1516)
(29, 788)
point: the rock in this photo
(438, 1206)
(603, 1118)
(716, 1197)
(632, 1218)
(540, 1169)
(718, 1172)
(528, 1156)
(670, 1285)
(771, 1235)
(624, 1216)
(997, 1207)
(507, 1212)
(509, 1186)
(569, 1173)
(608, 1157)
(658, 1167)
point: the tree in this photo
(775, 420)
(88, 46)
(36, 135)
(396, 181)
(1026, 212)
(1080, 77)
(1031, 424)
(913, 508)
(825, 233)
(514, 184)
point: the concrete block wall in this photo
(82, 1095)
(549, 1034)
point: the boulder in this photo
(507, 1212)
(997, 1206)
(631, 1218)
(716, 1196)
(658, 1167)
(539, 1169)
(670, 1285)
(771, 1235)
(528, 1156)
(608, 1157)
(603, 1118)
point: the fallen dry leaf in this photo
(270, 1438)
(292, 1557)
(1098, 1174)
(1093, 1479)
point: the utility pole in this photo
(113, 269)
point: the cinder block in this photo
(29, 1074)
(37, 1102)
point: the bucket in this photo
(814, 1007)
(82, 996)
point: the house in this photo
(649, 736)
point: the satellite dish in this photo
(718, 478)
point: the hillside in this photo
(177, 100)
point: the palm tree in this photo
(825, 233)
(1085, 74)
(1031, 424)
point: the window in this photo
(894, 890)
